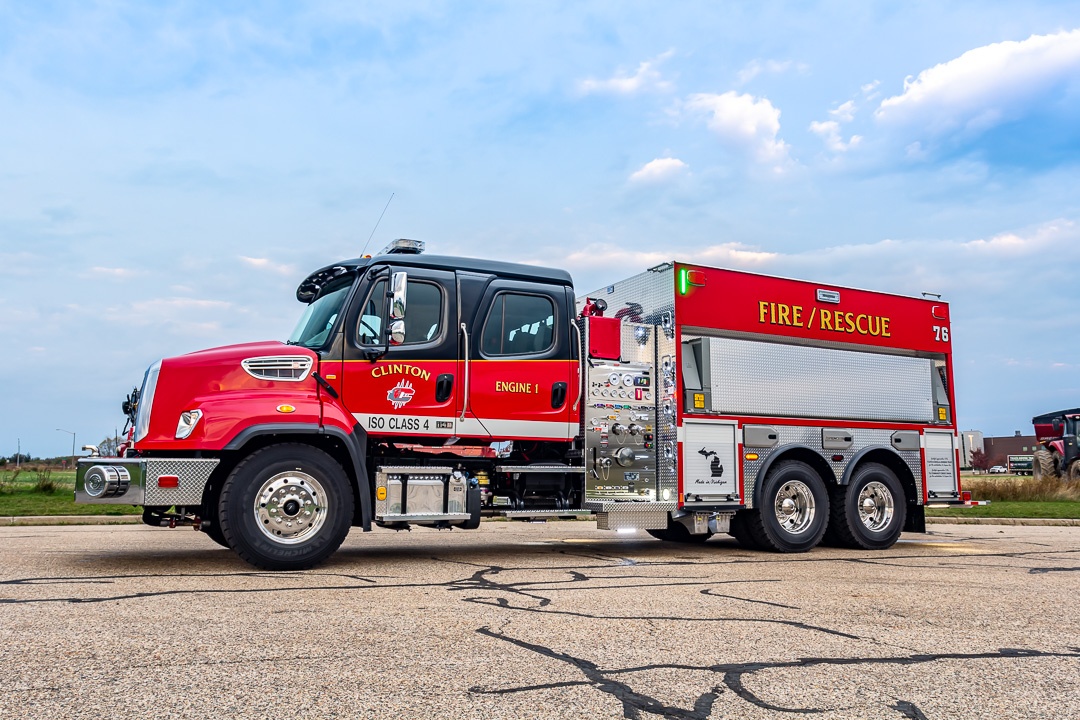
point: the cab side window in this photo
(423, 314)
(518, 324)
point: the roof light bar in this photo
(404, 246)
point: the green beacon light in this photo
(688, 278)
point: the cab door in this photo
(408, 389)
(522, 372)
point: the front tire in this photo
(794, 509)
(1044, 465)
(286, 507)
(869, 513)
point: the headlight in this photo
(146, 401)
(188, 421)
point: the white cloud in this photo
(829, 131)
(773, 67)
(845, 112)
(267, 264)
(113, 272)
(182, 316)
(1036, 241)
(987, 85)
(743, 121)
(646, 78)
(599, 257)
(659, 170)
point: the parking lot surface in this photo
(534, 621)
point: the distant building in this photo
(969, 440)
(999, 448)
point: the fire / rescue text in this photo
(772, 313)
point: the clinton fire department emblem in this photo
(401, 394)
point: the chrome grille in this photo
(288, 368)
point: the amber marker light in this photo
(285, 409)
(751, 456)
(380, 493)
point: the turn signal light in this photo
(751, 456)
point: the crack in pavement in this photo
(634, 702)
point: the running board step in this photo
(540, 469)
(545, 514)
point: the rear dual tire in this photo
(869, 512)
(793, 511)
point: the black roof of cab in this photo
(314, 282)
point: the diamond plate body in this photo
(810, 437)
(647, 297)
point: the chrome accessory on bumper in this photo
(142, 481)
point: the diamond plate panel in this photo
(761, 378)
(810, 437)
(647, 297)
(638, 343)
(632, 516)
(192, 473)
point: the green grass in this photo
(19, 496)
(28, 502)
(1013, 509)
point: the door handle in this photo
(558, 395)
(444, 387)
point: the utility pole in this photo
(72, 444)
(18, 453)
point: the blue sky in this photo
(169, 172)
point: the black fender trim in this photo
(858, 457)
(759, 479)
(355, 442)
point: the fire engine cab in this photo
(420, 390)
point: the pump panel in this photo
(620, 432)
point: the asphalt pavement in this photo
(535, 621)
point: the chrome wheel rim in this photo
(290, 507)
(794, 507)
(876, 506)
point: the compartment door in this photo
(939, 452)
(710, 470)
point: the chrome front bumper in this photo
(142, 481)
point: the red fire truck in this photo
(431, 391)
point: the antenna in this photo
(376, 225)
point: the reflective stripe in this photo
(442, 425)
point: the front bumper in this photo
(152, 482)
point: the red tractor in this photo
(1058, 433)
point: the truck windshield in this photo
(318, 319)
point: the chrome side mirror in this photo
(397, 303)
(397, 331)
